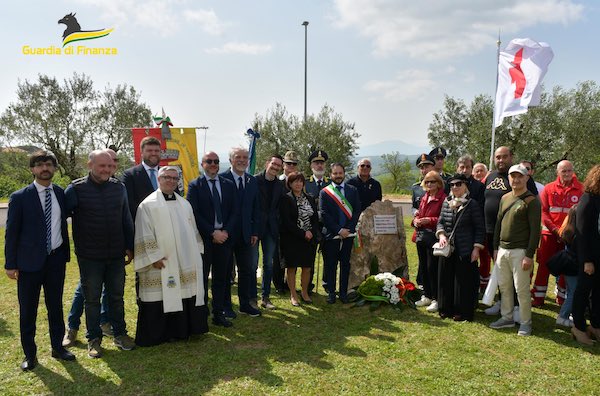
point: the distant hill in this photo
(377, 162)
(389, 146)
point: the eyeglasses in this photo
(430, 182)
(365, 165)
(212, 161)
(456, 184)
(170, 178)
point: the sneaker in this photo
(253, 304)
(107, 330)
(94, 348)
(250, 311)
(524, 330)
(266, 303)
(560, 321)
(493, 310)
(433, 307)
(517, 315)
(70, 338)
(424, 301)
(124, 342)
(502, 324)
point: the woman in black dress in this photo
(587, 240)
(299, 230)
(458, 274)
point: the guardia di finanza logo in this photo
(72, 41)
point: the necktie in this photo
(48, 216)
(240, 184)
(153, 178)
(341, 189)
(319, 183)
(216, 199)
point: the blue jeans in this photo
(95, 273)
(269, 245)
(74, 317)
(567, 306)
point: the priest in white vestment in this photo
(168, 261)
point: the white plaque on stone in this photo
(385, 224)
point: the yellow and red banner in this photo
(178, 150)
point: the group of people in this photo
(176, 243)
(506, 216)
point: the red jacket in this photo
(431, 209)
(556, 202)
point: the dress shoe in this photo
(581, 337)
(229, 314)
(220, 320)
(306, 300)
(593, 332)
(250, 311)
(344, 299)
(62, 354)
(331, 298)
(294, 302)
(29, 364)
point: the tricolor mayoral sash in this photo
(339, 199)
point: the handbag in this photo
(447, 250)
(563, 263)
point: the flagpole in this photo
(498, 42)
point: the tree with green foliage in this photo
(72, 118)
(281, 131)
(566, 125)
(399, 170)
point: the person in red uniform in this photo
(557, 198)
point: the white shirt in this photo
(56, 230)
(147, 168)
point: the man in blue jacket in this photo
(245, 236)
(339, 206)
(36, 252)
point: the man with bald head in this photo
(557, 198)
(103, 235)
(214, 202)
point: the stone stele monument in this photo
(382, 231)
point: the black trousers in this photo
(337, 251)
(587, 284)
(428, 263)
(278, 272)
(217, 260)
(246, 282)
(29, 284)
(457, 286)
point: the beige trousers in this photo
(511, 274)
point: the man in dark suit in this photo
(271, 191)
(36, 252)
(214, 201)
(339, 206)
(245, 236)
(142, 180)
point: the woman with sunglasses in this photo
(425, 222)
(460, 224)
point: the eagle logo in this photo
(74, 33)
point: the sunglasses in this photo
(211, 161)
(456, 184)
(365, 165)
(430, 181)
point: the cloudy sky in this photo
(383, 64)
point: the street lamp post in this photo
(305, 24)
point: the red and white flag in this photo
(521, 67)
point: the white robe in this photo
(167, 229)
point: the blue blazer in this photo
(25, 241)
(138, 186)
(248, 206)
(332, 216)
(200, 198)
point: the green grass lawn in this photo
(314, 349)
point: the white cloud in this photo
(446, 29)
(209, 20)
(162, 16)
(408, 84)
(240, 48)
